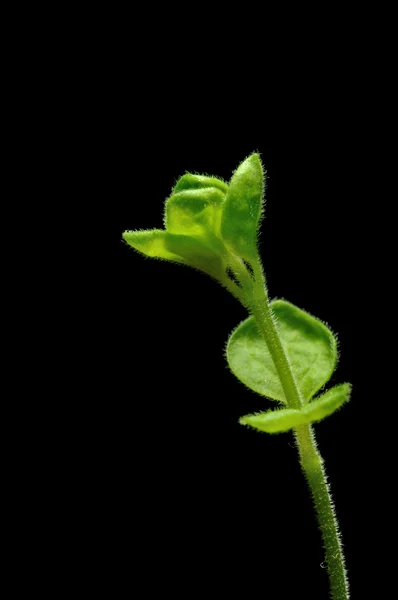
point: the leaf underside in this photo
(217, 223)
(183, 249)
(278, 421)
(191, 181)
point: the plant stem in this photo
(313, 467)
(310, 458)
(265, 322)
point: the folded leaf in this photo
(328, 403)
(274, 421)
(278, 421)
(243, 208)
(195, 212)
(151, 242)
(310, 346)
(191, 181)
(196, 253)
(183, 249)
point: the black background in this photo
(147, 484)
(190, 495)
(175, 496)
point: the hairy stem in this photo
(310, 458)
(266, 324)
(313, 467)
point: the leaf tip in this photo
(127, 235)
(255, 158)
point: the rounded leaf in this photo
(196, 254)
(310, 346)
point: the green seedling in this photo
(279, 351)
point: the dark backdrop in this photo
(157, 491)
(191, 500)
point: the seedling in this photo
(280, 351)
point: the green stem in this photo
(265, 322)
(310, 458)
(313, 467)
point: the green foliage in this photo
(183, 249)
(278, 421)
(209, 211)
(310, 347)
(274, 421)
(280, 351)
(243, 207)
(213, 226)
(191, 181)
(153, 243)
(197, 213)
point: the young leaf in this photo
(183, 249)
(243, 207)
(194, 212)
(191, 181)
(278, 421)
(196, 253)
(151, 242)
(310, 346)
(328, 403)
(201, 228)
(274, 421)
